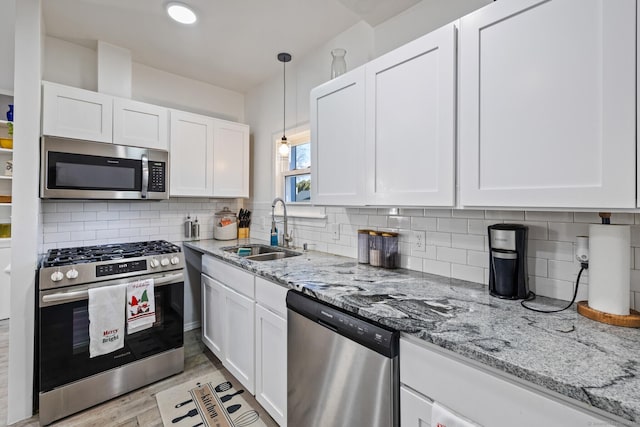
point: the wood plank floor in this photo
(137, 408)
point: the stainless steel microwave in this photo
(74, 169)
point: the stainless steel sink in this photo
(262, 252)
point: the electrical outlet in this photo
(418, 241)
(334, 230)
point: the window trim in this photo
(298, 136)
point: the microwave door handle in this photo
(145, 175)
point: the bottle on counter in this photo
(274, 234)
(188, 227)
(195, 230)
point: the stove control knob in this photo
(175, 260)
(57, 276)
(72, 274)
(164, 262)
(154, 263)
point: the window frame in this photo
(298, 136)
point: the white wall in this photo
(75, 65)
(421, 19)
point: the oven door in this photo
(89, 170)
(64, 331)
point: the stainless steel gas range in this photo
(68, 379)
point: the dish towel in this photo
(444, 417)
(141, 306)
(106, 319)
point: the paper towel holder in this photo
(632, 320)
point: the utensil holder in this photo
(243, 233)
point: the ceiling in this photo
(234, 43)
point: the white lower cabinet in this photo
(415, 410)
(428, 374)
(271, 363)
(244, 324)
(239, 338)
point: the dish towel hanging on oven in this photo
(141, 306)
(106, 319)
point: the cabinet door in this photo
(139, 124)
(411, 123)
(239, 338)
(191, 155)
(337, 140)
(230, 159)
(271, 364)
(415, 410)
(547, 104)
(76, 113)
(213, 316)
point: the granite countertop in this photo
(582, 359)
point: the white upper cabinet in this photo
(191, 170)
(140, 124)
(230, 159)
(547, 104)
(76, 113)
(410, 116)
(338, 140)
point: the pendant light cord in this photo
(284, 99)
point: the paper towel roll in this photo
(609, 268)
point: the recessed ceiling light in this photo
(181, 13)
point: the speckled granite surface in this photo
(588, 361)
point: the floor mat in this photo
(209, 401)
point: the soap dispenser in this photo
(274, 234)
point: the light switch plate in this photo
(334, 230)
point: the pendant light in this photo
(283, 149)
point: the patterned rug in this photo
(210, 401)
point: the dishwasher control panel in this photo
(375, 337)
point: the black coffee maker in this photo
(508, 261)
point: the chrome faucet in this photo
(286, 238)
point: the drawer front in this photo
(233, 277)
(415, 409)
(272, 296)
(480, 395)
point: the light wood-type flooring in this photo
(139, 407)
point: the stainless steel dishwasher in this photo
(342, 370)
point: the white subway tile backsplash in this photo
(467, 241)
(452, 225)
(70, 206)
(567, 232)
(467, 213)
(70, 226)
(455, 240)
(505, 215)
(458, 256)
(478, 259)
(549, 216)
(438, 239)
(107, 216)
(441, 268)
(377, 221)
(537, 266)
(438, 213)
(562, 251)
(399, 222)
(467, 272)
(421, 223)
(83, 235)
(56, 217)
(83, 216)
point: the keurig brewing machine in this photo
(508, 261)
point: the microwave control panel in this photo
(157, 176)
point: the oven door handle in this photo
(83, 294)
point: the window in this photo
(294, 181)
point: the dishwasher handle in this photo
(365, 332)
